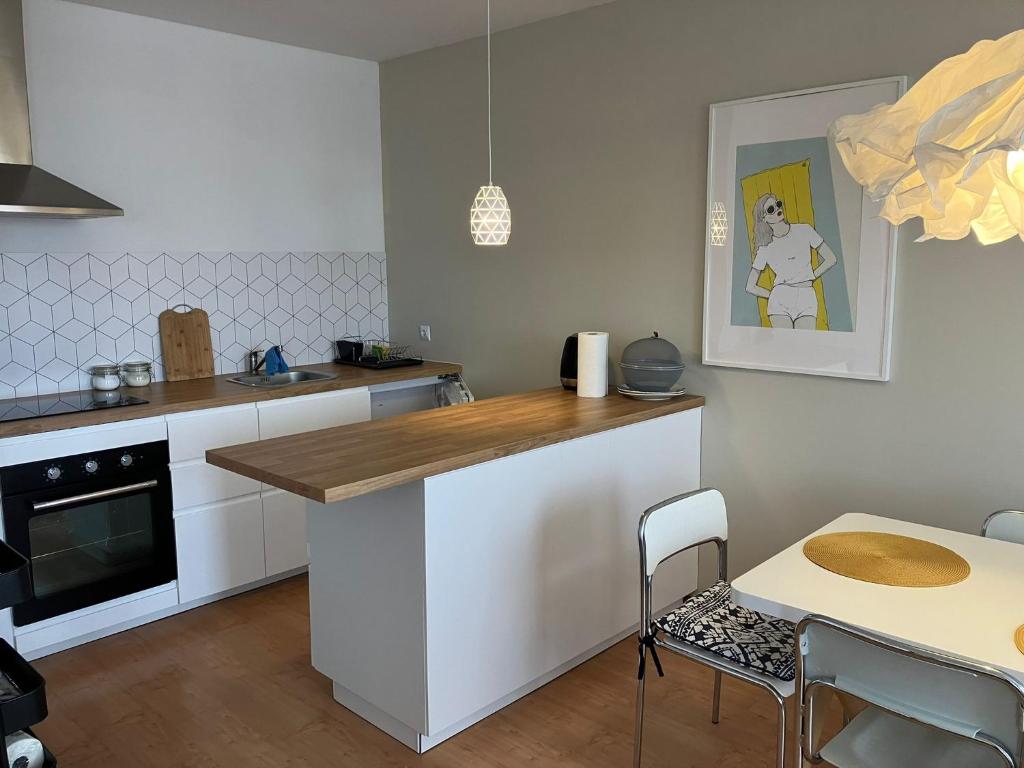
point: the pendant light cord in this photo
(490, 151)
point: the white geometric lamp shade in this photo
(490, 220)
(949, 151)
(719, 224)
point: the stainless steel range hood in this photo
(26, 189)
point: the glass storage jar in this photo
(105, 377)
(138, 373)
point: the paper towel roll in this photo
(27, 749)
(592, 364)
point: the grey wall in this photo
(601, 145)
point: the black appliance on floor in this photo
(94, 527)
(22, 689)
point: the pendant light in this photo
(719, 224)
(490, 220)
(949, 151)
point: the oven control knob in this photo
(53, 473)
(91, 466)
(127, 460)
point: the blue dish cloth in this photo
(275, 362)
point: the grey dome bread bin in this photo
(653, 364)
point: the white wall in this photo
(207, 140)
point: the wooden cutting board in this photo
(186, 345)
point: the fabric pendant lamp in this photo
(490, 220)
(950, 151)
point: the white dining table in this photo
(974, 619)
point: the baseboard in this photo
(137, 621)
(239, 590)
(431, 741)
(420, 743)
(35, 640)
(377, 717)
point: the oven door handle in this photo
(82, 497)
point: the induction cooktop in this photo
(69, 402)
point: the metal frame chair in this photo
(667, 529)
(928, 698)
(1005, 525)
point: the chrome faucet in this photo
(256, 360)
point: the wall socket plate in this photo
(424, 333)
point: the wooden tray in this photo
(186, 345)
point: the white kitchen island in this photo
(463, 557)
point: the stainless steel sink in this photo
(280, 379)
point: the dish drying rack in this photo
(374, 353)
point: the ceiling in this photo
(366, 29)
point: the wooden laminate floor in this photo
(231, 684)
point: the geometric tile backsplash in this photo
(61, 313)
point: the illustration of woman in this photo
(786, 248)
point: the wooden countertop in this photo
(195, 394)
(343, 462)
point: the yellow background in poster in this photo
(791, 184)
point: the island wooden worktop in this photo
(164, 397)
(343, 462)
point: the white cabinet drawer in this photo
(191, 435)
(201, 483)
(284, 531)
(293, 415)
(219, 547)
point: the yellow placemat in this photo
(886, 558)
(1018, 638)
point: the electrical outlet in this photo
(424, 333)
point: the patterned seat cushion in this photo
(710, 620)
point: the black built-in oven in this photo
(95, 526)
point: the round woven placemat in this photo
(1018, 638)
(886, 558)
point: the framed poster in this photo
(798, 271)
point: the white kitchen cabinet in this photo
(220, 547)
(294, 415)
(190, 435)
(284, 531)
(228, 533)
(284, 514)
(231, 532)
(196, 482)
